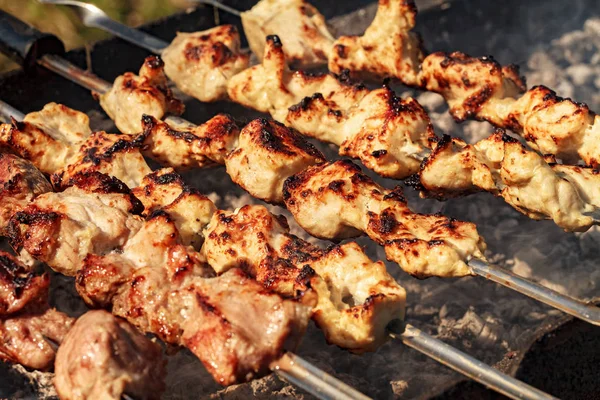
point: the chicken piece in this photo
(58, 140)
(356, 297)
(388, 48)
(267, 154)
(20, 183)
(504, 167)
(60, 229)
(111, 154)
(26, 322)
(33, 144)
(185, 147)
(61, 123)
(482, 89)
(103, 357)
(191, 211)
(585, 180)
(163, 287)
(388, 134)
(201, 63)
(306, 36)
(132, 96)
(423, 245)
(271, 87)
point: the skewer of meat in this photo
(474, 87)
(480, 268)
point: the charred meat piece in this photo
(267, 153)
(201, 63)
(103, 357)
(185, 147)
(504, 167)
(20, 182)
(388, 48)
(423, 245)
(307, 40)
(132, 96)
(166, 191)
(26, 321)
(356, 297)
(60, 229)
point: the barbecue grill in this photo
(453, 320)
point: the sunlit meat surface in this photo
(103, 357)
(386, 49)
(201, 63)
(132, 96)
(423, 245)
(307, 39)
(388, 134)
(501, 165)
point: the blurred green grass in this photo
(64, 23)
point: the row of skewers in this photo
(270, 161)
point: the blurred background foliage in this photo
(63, 22)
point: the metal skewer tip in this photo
(7, 112)
(314, 380)
(219, 5)
(465, 364)
(587, 312)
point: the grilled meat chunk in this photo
(388, 134)
(482, 89)
(132, 96)
(165, 288)
(386, 49)
(201, 63)
(60, 229)
(26, 321)
(307, 40)
(504, 167)
(191, 211)
(20, 287)
(267, 153)
(185, 147)
(111, 154)
(20, 183)
(356, 297)
(103, 357)
(423, 245)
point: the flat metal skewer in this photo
(94, 17)
(467, 365)
(587, 312)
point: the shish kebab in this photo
(564, 303)
(94, 214)
(392, 136)
(475, 88)
(96, 356)
(99, 291)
